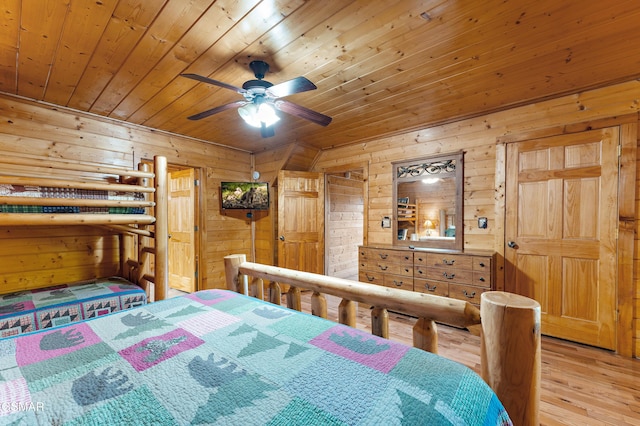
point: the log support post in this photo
(232, 271)
(347, 312)
(294, 300)
(319, 305)
(425, 335)
(510, 352)
(380, 322)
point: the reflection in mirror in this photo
(429, 202)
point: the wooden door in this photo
(182, 223)
(301, 221)
(561, 224)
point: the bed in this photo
(219, 357)
(70, 222)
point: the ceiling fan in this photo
(262, 98)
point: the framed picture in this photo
(403, 200)
(402, 234)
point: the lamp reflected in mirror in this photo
(429, 226)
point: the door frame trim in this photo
(628, 125)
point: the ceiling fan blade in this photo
(267, 132)
(216, 110)
(302, 112)
(214, 82)
(297, 85)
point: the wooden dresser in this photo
(462, 276)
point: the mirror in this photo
(428, 193)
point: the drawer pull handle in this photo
(469, 295)
(369, 278)
(430, 288)
(406, 258)
(406, 270)
(448, 276)
(383, 268)
(482, 264)
(448, 262)
(383, 256)
(397, 283)
(481, 279)
(420, 271)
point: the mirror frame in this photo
(451, 164)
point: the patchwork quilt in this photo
(62, 193)
(28, 311)
(217, 357)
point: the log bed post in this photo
(510, 353)
(161, 229)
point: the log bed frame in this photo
(510, 326)
(143, 237)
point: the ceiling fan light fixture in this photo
(254, 115)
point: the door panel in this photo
(301, 221)
(561, 221)
(182, 261)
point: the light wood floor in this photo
(580, 386)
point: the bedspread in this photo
(219, 357)
(31, 310)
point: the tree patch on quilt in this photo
(188, 310)
(92, 387)
(154, 350)
(231, 397)
(262, 342)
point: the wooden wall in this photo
(72, 253)
(343, 224)
(483, 184)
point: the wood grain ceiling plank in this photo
(83, 28)
(9, 41)
(41, 25)
(159, 87)
(174, 19)
(311, 41)
(125, 29)
(252, 26)
(483, 81)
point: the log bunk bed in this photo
(222, 357)
(37, 193)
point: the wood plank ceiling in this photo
(381, 67)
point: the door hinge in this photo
(196, 182)
(619, 150)
(195, 228)
(617, 232)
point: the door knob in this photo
(281, 237)
(512, 244)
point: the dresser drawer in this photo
(453, 275)
(399, 281)
(390, 256)
(481, 263)
(392, 268)
(468, 293)
(371, 277)
(482, 279)
(457, 261)
(437, 288)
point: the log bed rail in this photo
(141, 235)
(509, 329)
